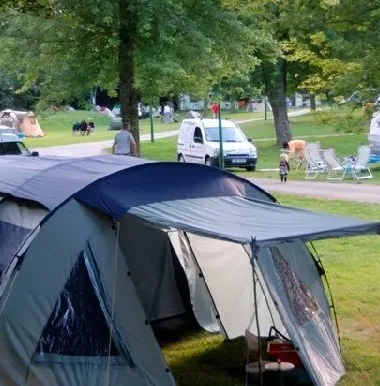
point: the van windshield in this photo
(13, 148)
(229, 134)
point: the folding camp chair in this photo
(361, 163)
(336, 170)
(314, 161)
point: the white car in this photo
(10, 144)
(198, 142)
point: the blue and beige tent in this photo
(90, 251)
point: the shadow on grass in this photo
(198, 358)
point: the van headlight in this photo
(216, 152)
(253, 152)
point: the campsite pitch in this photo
(352, 266)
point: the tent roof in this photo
(186, 196)
(112, 183)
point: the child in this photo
(284, 167)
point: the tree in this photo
(130, 45)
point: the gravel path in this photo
(365, 193)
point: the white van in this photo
(198, 142)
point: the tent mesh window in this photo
(302, 301)
(77, 326)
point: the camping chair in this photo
(361, 163)
(314, 161)
(336, 170)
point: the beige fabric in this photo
(26, 122)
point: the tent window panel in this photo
(302, 301)
(77, 326)
(12, 237)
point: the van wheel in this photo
(250, 168)
(208, 161)
(181, 159)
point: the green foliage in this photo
(343, 119)
(75, 49)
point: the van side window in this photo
(198, 137)
(189, 134)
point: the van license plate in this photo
(238, 161)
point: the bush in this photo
(344, 119)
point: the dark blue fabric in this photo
(50, 181)
(148, 184)
(11, 238)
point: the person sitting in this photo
(83, 127)
(76, 128)
(90, 126)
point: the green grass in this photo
(352, 266)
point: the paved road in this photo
(324, 190)
(95, 148)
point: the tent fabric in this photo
(101, 216)
(227, 270)
(244, 221)
(157, 287)
(17, 222)
(25, 122)
(200, 298)
(52, 180)
(25, 358)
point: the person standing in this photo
(215, 110)
(284, 167)
(124, 143)
(167, 114)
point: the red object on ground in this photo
(285, 352)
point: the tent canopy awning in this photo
(191, 197)
(244, 221)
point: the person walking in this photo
(124, 143)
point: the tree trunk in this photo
(275, 87)
(313, 105)
(127, 46)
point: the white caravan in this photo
(198, 142)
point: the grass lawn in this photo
(262, 133)
(352, 266)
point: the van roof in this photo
(9, 137)
(210, 122)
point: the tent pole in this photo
(255, 277)
(116, 257)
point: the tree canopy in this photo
(164, 47)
